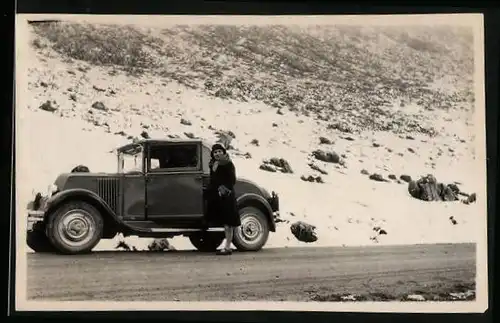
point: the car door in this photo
(133, 184)
(134, 197)
(174, 182)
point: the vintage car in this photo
(158, 192)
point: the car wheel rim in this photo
(251, 229)
(76, 227)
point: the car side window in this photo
(173, 157)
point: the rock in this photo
(98, 89)
(268, 168)
(304, 232)
(405, 178)
(411, 150)
(186, 122)
(454, 188)
(280, 164)
(312, 179)
(72, 96)
(324, 141)
(145, 135)
(49, 106)
(416, 298)
(409, 138)
(123, 245)
(255, 142)
(99, 106)
(342, 127)
(80, 169)
(376, 145)
(365, 172)
(190, 135)
(121, 133)
(427, 188)
(275, 124)
(447, 193)
(160, 245)
(328, 157)
(377, 178)
(393, 177)
(317, 168)
(453, 221)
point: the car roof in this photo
(142, 142)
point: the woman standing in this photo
(223, 198)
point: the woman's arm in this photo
(232, 175)
(228, 176)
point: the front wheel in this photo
(76, 227)
(253, 232)
(207, 241)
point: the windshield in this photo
(130, 160)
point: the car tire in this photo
(207, 241)
(75, 228)
(253, 232)
(39, 242)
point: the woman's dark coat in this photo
(223, 210)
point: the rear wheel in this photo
(38, 241)
(253, 232)
(207, 241)
(76, 227)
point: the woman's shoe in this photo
(224, 252)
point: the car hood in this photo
(62, 179)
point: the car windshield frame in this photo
(132, 150)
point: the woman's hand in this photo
(224, 191)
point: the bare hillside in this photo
(348, 75)
(356, 107)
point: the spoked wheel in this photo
(253, 233)
(207, 241)
(76, 227)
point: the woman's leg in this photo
(229, 236)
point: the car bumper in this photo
(36, 211)
(274, 202)
(34, 216)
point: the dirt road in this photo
(292, 274)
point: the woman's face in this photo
(218, 153)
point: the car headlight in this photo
(265, 192)
(51, 190)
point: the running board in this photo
(169, 230)
(152, 227)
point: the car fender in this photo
(84, 194)
(252, 199)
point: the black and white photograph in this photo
(315, 163)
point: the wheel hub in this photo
(250, 229)
(76, 227)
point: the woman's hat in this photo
(218, 146)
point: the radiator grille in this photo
(107, 189)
